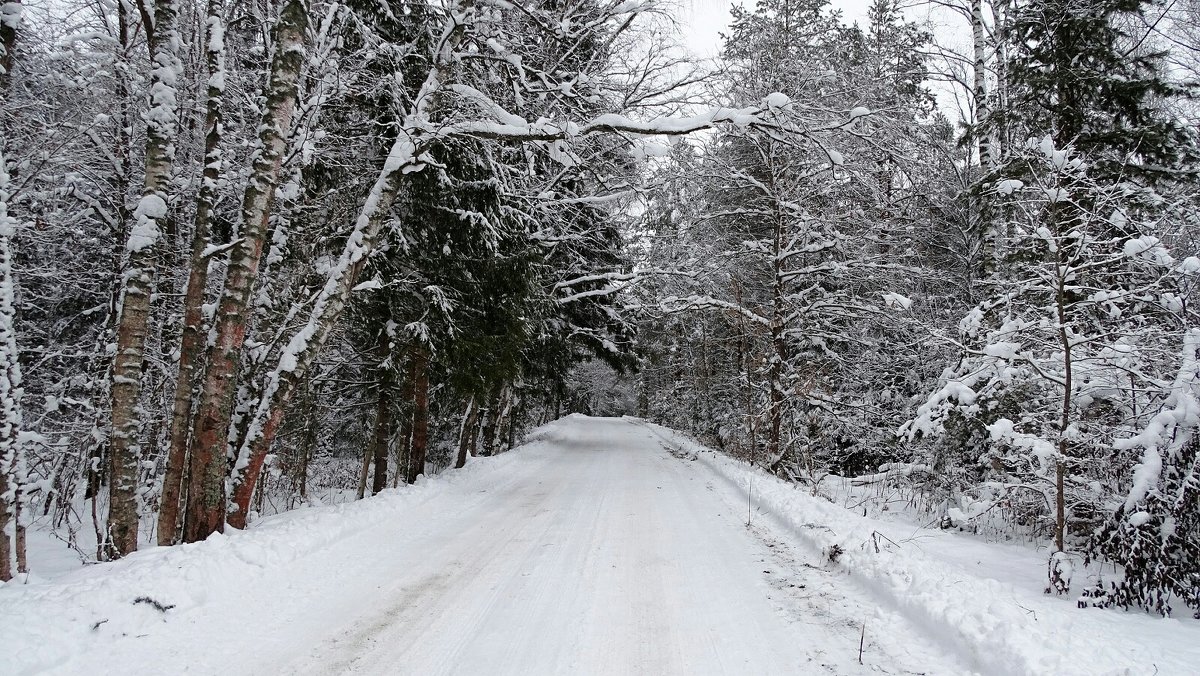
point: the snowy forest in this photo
(257, 256)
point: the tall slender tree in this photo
(206, 512)
(145, 236)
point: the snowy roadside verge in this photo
(235, 579)
(996, 624)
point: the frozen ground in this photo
(604, 546)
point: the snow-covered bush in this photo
(1065, 354)
(1154, 533)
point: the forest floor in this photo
(602, 546)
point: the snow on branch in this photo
(507, 126)
(698, 302)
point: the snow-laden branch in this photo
(701, 302)
(499, 124)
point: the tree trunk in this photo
(364, 471)
(383, 432)
(381, 439)
(404, 445)
(511, 428)
(12, 455)
(1060, 500)
(191, 350)
(503, 420)
(420, 424)
(466, 438)
(491, 417)
(260, 493)
(206, 511)
(311, 437)
(987, 225)
(125, 391)
(979, 88)
(775, 449)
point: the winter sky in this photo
(704, 20)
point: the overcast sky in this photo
(704, 20)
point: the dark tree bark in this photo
(420, 418)
(383, 432)
(364, 470)
(311, 437)
(404, 443)
(491, 421)
(504, 420)
(775, 448)
(466, 435)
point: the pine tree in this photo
(1081, 71)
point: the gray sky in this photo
(704, 20)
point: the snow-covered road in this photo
(590, 551)
(608, 556)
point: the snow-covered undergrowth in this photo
(55, 551)
(981, 600)
(264, 572)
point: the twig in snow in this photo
(862, 639)
(749, 493)
(151, 602)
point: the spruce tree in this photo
(1082, 72)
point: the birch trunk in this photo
(12, 460)
(979, 88)
(986, 225)
(207, 463)
(191, 350)
(12, 456)
(134, 313)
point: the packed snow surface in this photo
(602, 546)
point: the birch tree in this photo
(210, 431)
(13, 464)
(149, 220)
(192, 343)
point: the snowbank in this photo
(998, 623)
(274, 570)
